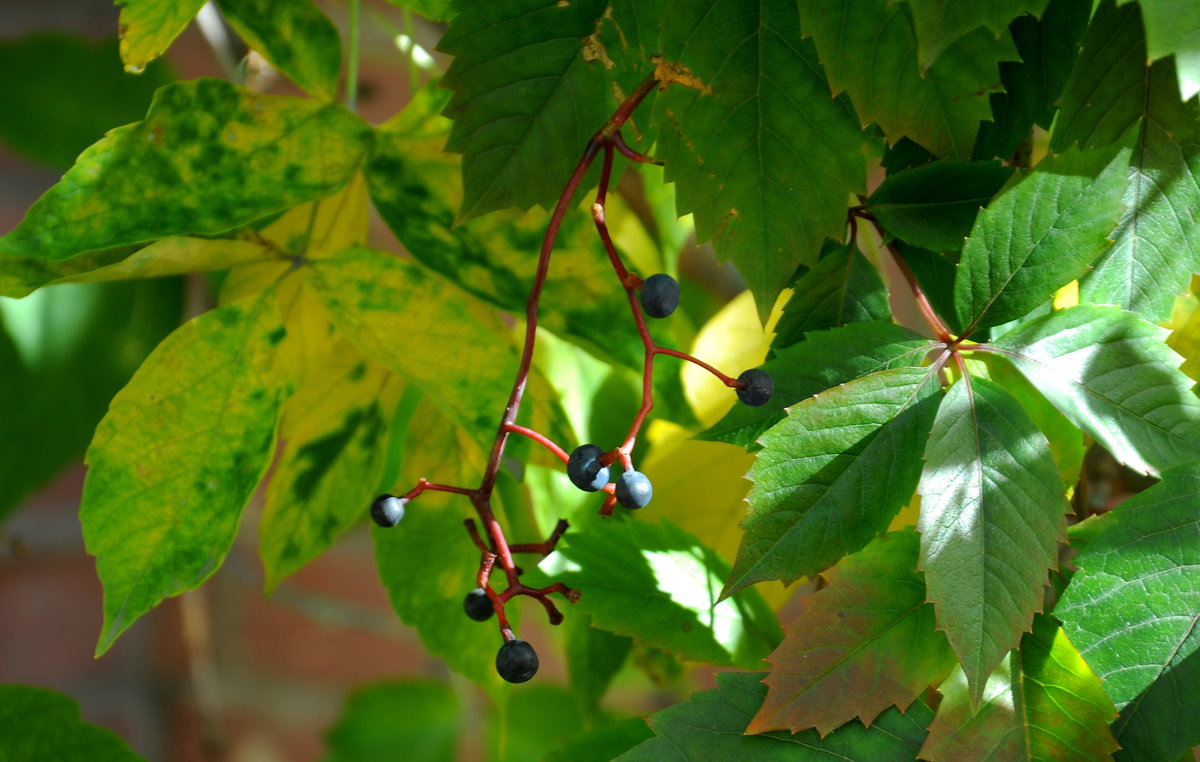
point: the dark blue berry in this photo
(755, 387)
(659, 295)
(634, 489)
(517, 661)
(478, 606)
(387, 510)
(585, 469)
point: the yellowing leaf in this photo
(148, 27)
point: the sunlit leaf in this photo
(712, 723)
(739, 148)
(38, 724)
(1132, 608)
(1173, 27)
(823, 360)
(294, 36)
(834, 473)
(859, 646)
(179, 453)
(660, 586)
(1110, 373)
(992, 515)
(208, 157)
(148, 27)
(1043, 702)
(869, 49)
(1038, 236)
(415, 719)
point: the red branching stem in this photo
(939, 327)
(542, 548)
(727, 380)
(631, 154)
(424, 484)
(541, 439)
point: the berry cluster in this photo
(589, 467)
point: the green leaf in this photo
(1043, 702)
(1048, 48)
(148, 27)
(604, 744)
(711, 725)
(177, 457)
(90, 94)
(860, 645)
(417, 189)
(208, 157)
(934, 205)
(823, 360)
(869, 49)
(51, 340)
(1173, 27)
(743, 151)
(415, 719)
(37, 724)
(520, 66)
(335, 430)
(1132, 608)
(1038, 236)
(405, 317)
(659, 585)
(431, 546)
(1156, 245)
(1112, 375)
(532, 718)
(295, 36)
(833, 474)
(843, 287)
(1106, 92)
(594, 657)
(938, 23)
(992, 515)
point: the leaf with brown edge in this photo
(861, 645)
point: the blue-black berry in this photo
(478, 606)
(585, 470)
(634, 489)
(659, 295)
(755, 387)
(387, 510)
(517, 661)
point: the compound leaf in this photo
(405, 316)
(759, 152)
(177, 457)
(833, 474)
(1110, 373)
(39, 724)
(934, 205)
(208, 157)
(823, 360)
(1133, 607)
(712, 723)
(1038, 236)
(859, 646)
(992, 514)
(659, 585)
(1043, 702)
(295, 36)
(869, 49)
(148, 27)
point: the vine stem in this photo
(935, 322)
